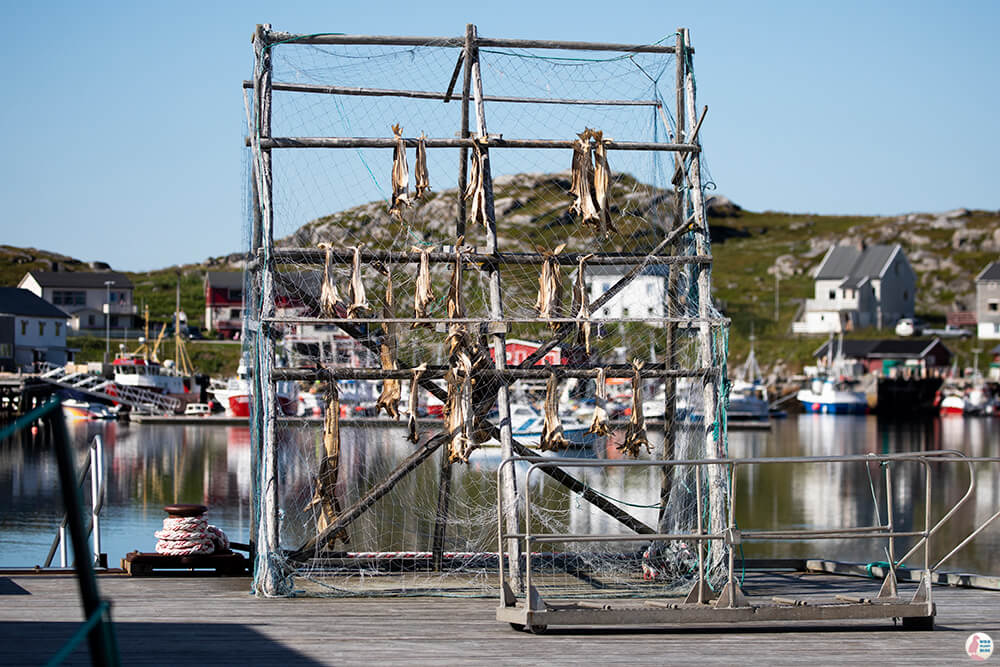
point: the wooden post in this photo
(444, 481)
(670, 358)
(269, 580)
(498, 337)
(716, 476)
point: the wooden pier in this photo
(209, 620)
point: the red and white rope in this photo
(189, 536)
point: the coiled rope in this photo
(189, 536)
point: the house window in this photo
(650, 289)
(24, 327)
(58, 326)
(236, 294)
(5, 351)
(41, 328)
(833, 294)
(68, 298)
(906, 295)
(234, 313)
(993, 306)
(90, 320)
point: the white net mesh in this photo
(361, 509)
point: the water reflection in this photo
(153, 465)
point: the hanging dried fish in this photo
(549, 302)
(414, 403)
(552, 430)
(400, 176)
(325, 495)
(458, 408)
(328, 295)
(476, 188)
(635, 432)
(599, 422)
(388, 400)
(423, 295)
(359, 301)
(581, 187)
(602, 184)
(423, 181)
(581, 305)
(457, 331)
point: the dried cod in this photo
(328, 295)
(400, 176)
(420, 175)
(476, 188)
(581, 183)
(581, 305)
(635, 432)
(359, 301)
(458, 407)
(602, 184)
(457, 331)
(599, 421)
(388, 400)
(549, 302)
(552, 430)
(423, 295)
(325, 495)
(411, 425)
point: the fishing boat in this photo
(235, 395)
(78, 410)
(131, 370)
(748, 401)
(833, 395)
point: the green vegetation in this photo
(218, 359)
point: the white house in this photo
(31, 330)
(644, 297)
(874, 287)
(988, 301)
(83, 295)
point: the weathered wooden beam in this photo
(458, 142)
(278, 38)
(445, 96)
(649, 371)
(477, 258)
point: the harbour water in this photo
(153, 465)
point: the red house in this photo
(519, 350)
(224, 302)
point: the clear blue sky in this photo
(124, 121)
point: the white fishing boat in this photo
(77, 410)
(235, 395)
(748, 400)
(833, 395)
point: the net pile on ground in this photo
(434, 207)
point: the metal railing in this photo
(94, 466)
(733, 535)
(104, 389)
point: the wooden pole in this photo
(713, 431)
(670, 359)
(498, 337)
(479, 257)
(451, 42)
(457, 142)
(269, 579)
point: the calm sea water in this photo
(153, 465)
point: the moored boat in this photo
(833, 396)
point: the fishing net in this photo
(361, 509)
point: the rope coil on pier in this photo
(189, 536)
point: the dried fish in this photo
(400, 176)
(581, 183)
(549, 302)
(325, 495)
(388, 400)
(423, 181)
(602, 184)
(581, 305)
(476, 188)
(423, 296)
(599, 421)
(635, 432)
(457, 331)
(552, 430)
(411, 426)
(359, 301)
(458, 407)
(328, 295)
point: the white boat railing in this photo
(94, 466)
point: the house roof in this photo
(853, 265)
(886, 348)
(80, 279)
(225, 279)
(991, 272)
(17, 301)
